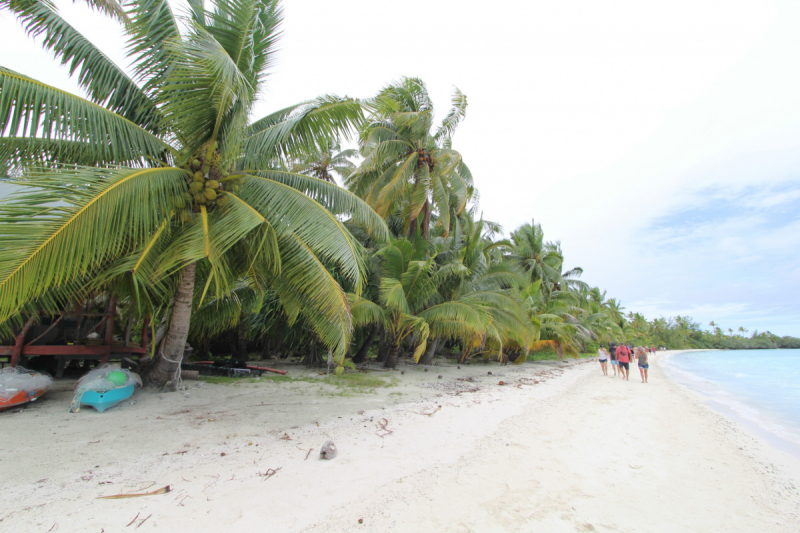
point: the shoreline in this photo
(773, 432)
(557, 455)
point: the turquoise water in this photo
(760, 386)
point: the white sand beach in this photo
(558, 447)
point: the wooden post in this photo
(109, 336)
(20, 341)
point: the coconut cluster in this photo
(426, 159)
(204, 188)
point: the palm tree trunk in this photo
(168, 358)
(391, 357)
(426, 219)
(430, 351)
(361, 355)
(265, 351)
(383, 348)
(242, 354)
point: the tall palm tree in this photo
(409, 167)
(179, 178)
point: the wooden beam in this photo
(76, 351)
(54, 324)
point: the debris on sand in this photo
(328, 450)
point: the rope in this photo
(176, 377)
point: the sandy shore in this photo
(559, 447)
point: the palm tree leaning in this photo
(177, 177)
(408, 168)
(540, 260)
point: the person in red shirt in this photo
(624, 358)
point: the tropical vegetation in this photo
(157, 190)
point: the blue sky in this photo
(658, 141)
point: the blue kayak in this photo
(103, 400)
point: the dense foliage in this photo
(159, 191)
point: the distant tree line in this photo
(683, 332)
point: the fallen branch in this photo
(134, 520)
(143, 521)
(269, 473)
(309, 453)
(382, 426)
(438, 407)
(162, 490)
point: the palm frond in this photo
(287, 209)
(300, 128)
(106, 83)
(65, 225)
(454, 117)
(29, 108)
(152, 26)
(337, 200)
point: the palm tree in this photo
(179, 180)
(471, 272)
(539, 259)
(326, 162)
(408, 168)
(554, 321)
(411, 306)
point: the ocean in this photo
(758, 387)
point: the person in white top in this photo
(602, 356)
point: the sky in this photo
(657, 141)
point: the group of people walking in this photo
(621, 355)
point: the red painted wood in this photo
(71, 350)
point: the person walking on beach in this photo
(624, 358)
(642, 357)
(602, 356)
(612, 352)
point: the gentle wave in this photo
(769, 397)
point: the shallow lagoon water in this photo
(760, 387)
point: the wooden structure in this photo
(103, 351)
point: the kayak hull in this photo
(20, 398)
(105, 400)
